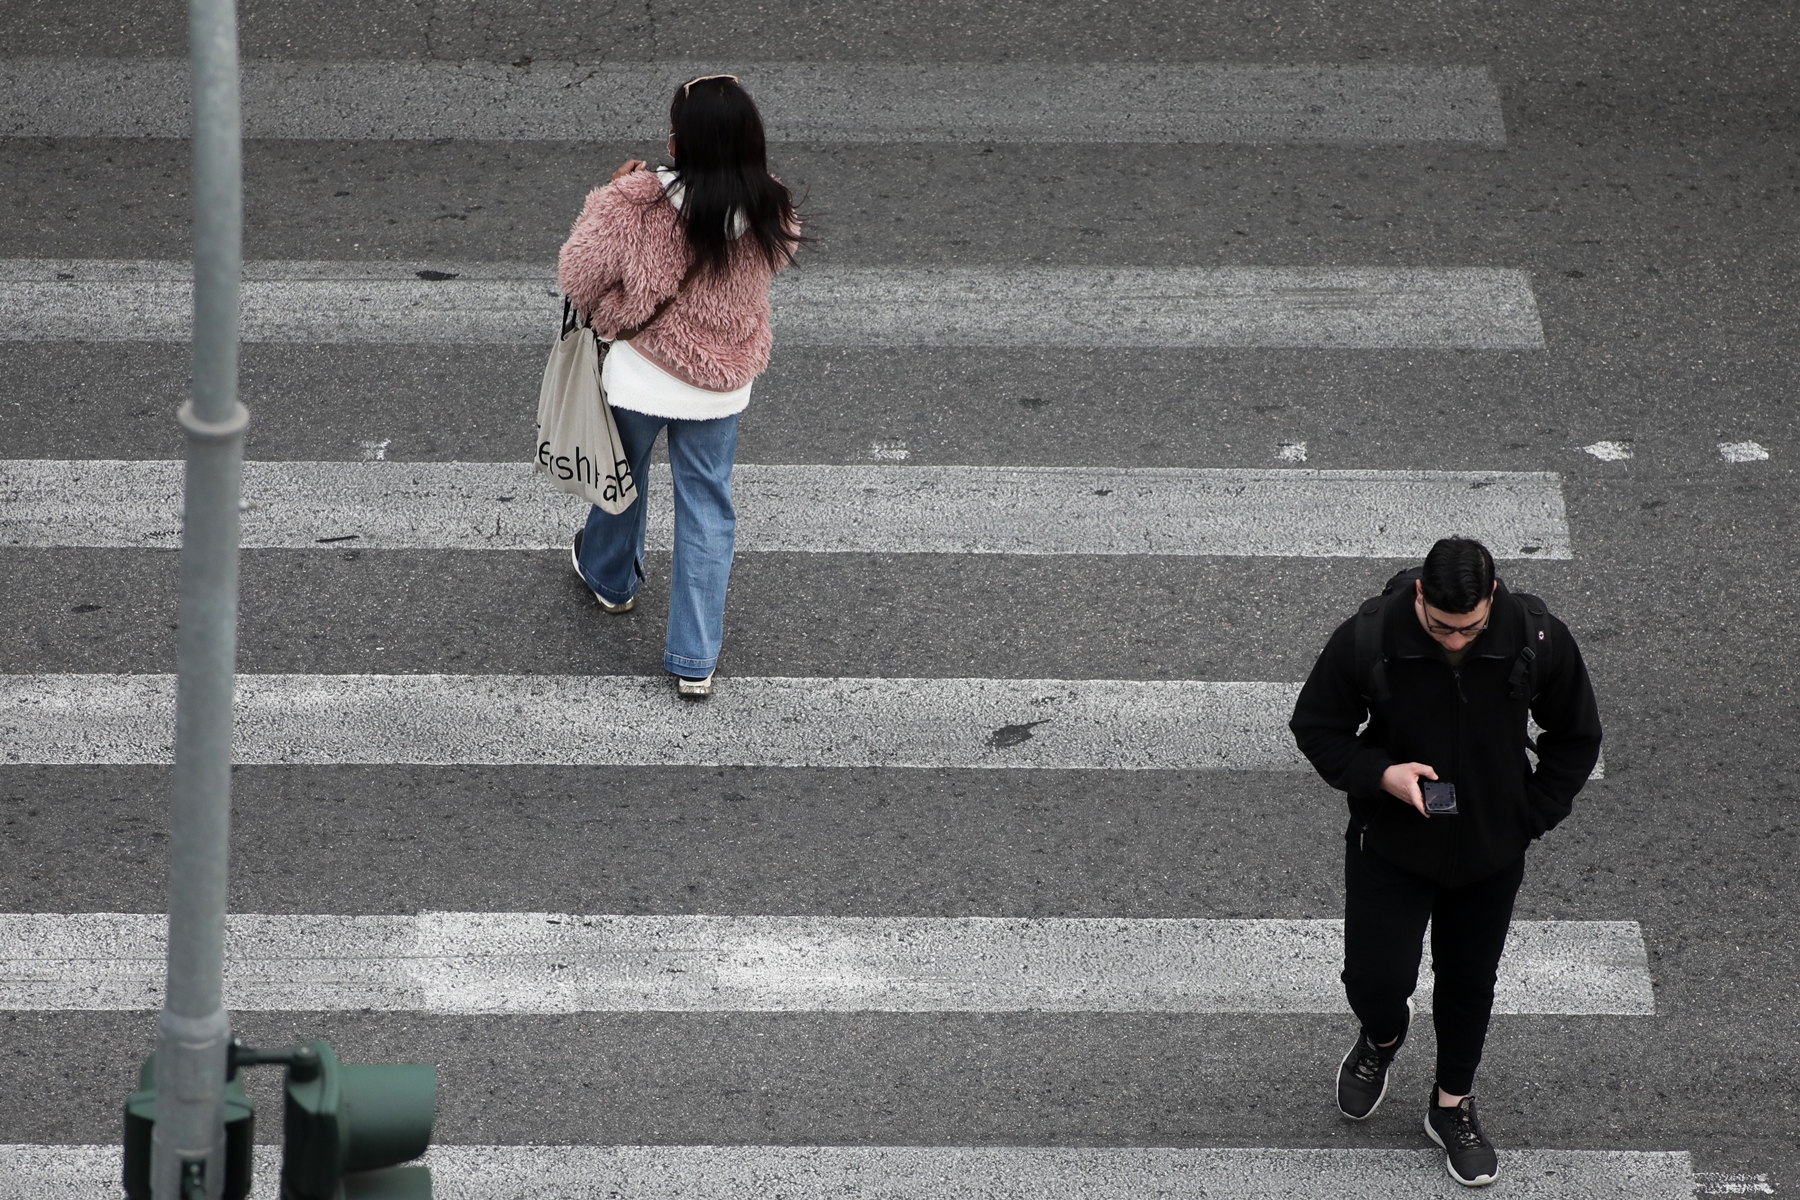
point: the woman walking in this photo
(684, 256)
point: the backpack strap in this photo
(1533, 663)
(1371, 657)
(1371, 654)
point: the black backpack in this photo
(1529, 668)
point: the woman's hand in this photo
(628, 166)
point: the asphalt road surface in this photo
(970, 723)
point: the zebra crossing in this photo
(529, 964)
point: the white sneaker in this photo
(694, 689)
(602, 601)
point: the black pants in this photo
(1385, 911)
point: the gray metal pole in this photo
(193, 1032)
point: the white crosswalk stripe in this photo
(808, 102)
(524, 720)
(1371, 308)
(761, 722)
(931, 1173)
(817, 509)
(547, 963)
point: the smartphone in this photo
(1440, 797)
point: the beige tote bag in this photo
(578, 445)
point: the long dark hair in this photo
(722, 159)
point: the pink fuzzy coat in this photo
(628, 252)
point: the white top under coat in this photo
(633, 382)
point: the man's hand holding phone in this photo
(1402, 782)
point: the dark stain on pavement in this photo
(1013, 735)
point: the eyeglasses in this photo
(703, 79)
(1433, 625)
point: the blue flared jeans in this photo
(612, 548)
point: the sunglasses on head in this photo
(703, 79)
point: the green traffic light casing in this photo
(343, 1119)
(140, 1120)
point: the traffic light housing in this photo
(344, 1123)
(140, 1120)
(346, 1127)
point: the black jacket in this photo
(1463, 723)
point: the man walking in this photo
(1444, 665)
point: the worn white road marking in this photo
(1609, 451)
(889, 450)
(1293, 452)
(543, 963)
(630, 720)
(1733, 1183)
(809, 102)
(376, 451)
(889, 509)
(1742, 452)
(1486, 308)
(41, 1172)
(751, 721)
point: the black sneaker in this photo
(1363, 1075)
(1468, 1155)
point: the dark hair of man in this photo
(1458, 575)
(722, 159)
